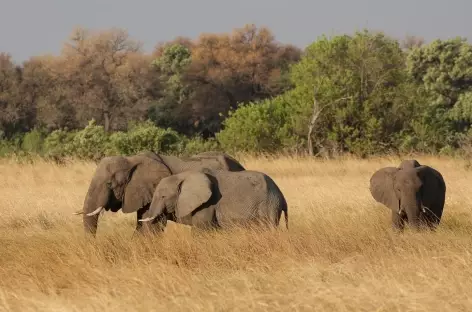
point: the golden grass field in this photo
(339, 254)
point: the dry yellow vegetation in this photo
(339, 254)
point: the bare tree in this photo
(411, 42)
(107, 73)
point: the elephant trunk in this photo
(156, 209)
(413, 207)
(95, 200)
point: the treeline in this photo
(364, 93)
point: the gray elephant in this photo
(217, 199)
(127, 183)
(211, 160)
(415, 193)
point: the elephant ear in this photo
(143, 180)
(230, 163)
(433, 183)
(381, 187)
(195, 190)
(121, 173)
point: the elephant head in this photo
(413, 192)
(180, 195)
(125, 183)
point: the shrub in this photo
(90, 143)
(7, 148)
(198, 145)
(145, 136)
(59, 143)
(256, 127)
(33, 141)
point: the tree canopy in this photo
(363, 93)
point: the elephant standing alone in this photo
(415, 193)
(211, 198)
(128, 182)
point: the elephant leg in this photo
(398, 221)
(429, 220)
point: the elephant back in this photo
(223, 161)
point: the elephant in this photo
(415, 193)
(211, 160)
(122, 182)
(209, 198)
(128, 182)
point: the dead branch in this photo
(317, 109)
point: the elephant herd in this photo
(213, 190)
(206, 190)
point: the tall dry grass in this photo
(338, 255)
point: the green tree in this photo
(169, 110)
(266, 125)
(368, 71)
(443, 69)
(352, 91)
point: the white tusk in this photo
(97, 211)
(147, 219)
(78, 213)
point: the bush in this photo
(90, 143)
(7, 148)
(33, 142)
(145, 136)
(59, 143)
(198, 145)
(256, 127)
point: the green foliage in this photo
(144, 137)
(443, 69)
(59, 143)
(372, 97)
(263, 126)
(167, 111)
(12, 146)
(33, 141)
(360, 85)
(6, 148)
(91, 142)
(198, 145)
(174, 59)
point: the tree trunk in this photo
(317, 109)
(106, 120)
(314, 117)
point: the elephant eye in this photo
(108, 184)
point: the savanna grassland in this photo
(339, 254)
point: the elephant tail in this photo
(285, 211)
(286, 217)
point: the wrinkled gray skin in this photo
(127, 183)
(218, 199)
(211, 160)
(415, 193)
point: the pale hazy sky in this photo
(33, 27)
